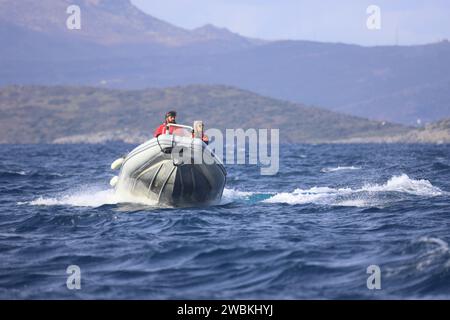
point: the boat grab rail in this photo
(180, 126)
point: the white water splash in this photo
(91, 197)
(231, 195)
(96, 197)
(405, 184)
(361, 197)
(319, 195)
(339, 168)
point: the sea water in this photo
(309, 232)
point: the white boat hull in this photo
(156, 171)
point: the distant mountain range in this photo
(119, 46)
(105, 22)
(38, 114)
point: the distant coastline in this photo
(67, 114)
(42, 114)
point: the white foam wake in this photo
(319, 195)
(339, 168)
(361, 197)
(90, 197)
(96, 197)
(231, 195)
(405, 184)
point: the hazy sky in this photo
(409, 21)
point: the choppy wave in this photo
(427, 260)
(339, 168)
(405, 184)
(437, 250)
(364, 196)
(231, 195)
(28, 174)
(257, 247)
(97, 197)
(11, 173)
(90, 197)
(442, 246)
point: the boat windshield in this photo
(181, 130)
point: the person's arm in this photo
(159, 131)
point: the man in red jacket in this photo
(170, 118)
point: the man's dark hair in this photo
(171, 114)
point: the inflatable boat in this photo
(177, 169)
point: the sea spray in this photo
(364, 196)
(91, 197)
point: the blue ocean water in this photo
(309, 232)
